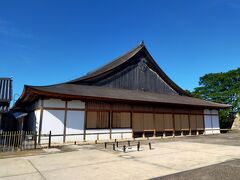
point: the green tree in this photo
(221, 88)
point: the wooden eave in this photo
(30, 94)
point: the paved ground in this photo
(225, 170)
(202, 157)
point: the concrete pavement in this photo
(91, 162)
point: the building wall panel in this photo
(193, 122)
(92, 134)
(215, 122)
(138, 121)
(54, 103)
(148, 121)
(75, 125)
(211, 121)
(76, 104)
(177, 122)
(53, 120)
(200, 122)
(184, 122)
(36, 117)
(122, 133)
(159, 122)
(168, 122)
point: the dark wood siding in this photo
(184, 122)
(97, 120)
(200, 122)
(138, 122)
(193, 122)
(121, 120)
(168, 122)
(149, 121)
(177, 122)
(159, 122)
(134, 78)
(146, 117)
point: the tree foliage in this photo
(221, 88)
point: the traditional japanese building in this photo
(129, 97)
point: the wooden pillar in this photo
(154, 121)
(85, 124)
(173, 124)
(0, 121)
(131, 123)
(204, 131)
(164, 133)
(110, 124)
(40, 121)
(190, 130)
(65, 122)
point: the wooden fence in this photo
(17, 140)
(23, 140)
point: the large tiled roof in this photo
(85, 87)
(106, 93)
(127, 58)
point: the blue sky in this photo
(46, 42)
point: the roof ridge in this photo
(128, 52)
(96, 72)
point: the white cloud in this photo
(7, 29)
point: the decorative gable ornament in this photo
(143, 65)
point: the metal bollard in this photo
(138, 146)
(124, 148)
(128, 143)
(49, 139)
(114, 147)
(150, 146)
(105, 145)
(75, 142)
(35, 140)
(117, 143)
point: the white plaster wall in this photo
(100, 136)
(208, 121)
(116, 133)
(214, 111)
(215, 122)
(207, 111)
(53, 120)
(211, 121)
(76, 104)
(55, 103)
(75, 125)
(37, 117)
